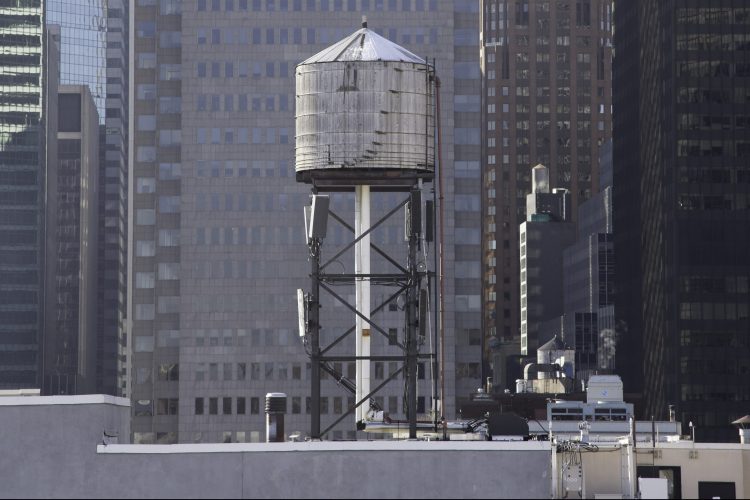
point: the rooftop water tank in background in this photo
(540, 179)
(364, 113)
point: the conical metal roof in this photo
(556, 344)
(364, 45)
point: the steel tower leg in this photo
(412, 313)
(314, 330)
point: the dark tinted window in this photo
(69, 113)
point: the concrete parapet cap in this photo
(325, 446)
(87, 399)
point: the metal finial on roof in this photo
(364, 21)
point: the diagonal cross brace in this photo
(354, 310)
(372, 245)
(356, 240)
(374, 311)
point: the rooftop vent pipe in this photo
(275, 410)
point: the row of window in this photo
(692, 121)
(242, 135)
(293, 235)
(238, 406)
(713, 284)
(544, 41)
(166, 304)
(280, 36)
(543, 74)
(716, 147)
(714, 68)
(239, 168)
(713, 311)
(544, 91)
(229, 202)
(713, 15)
(241, 102)
(242, 69)
(314, 5)
(713, 338)
(740, 95)
(737, 201)
(311, 36)
(725, 42)
(562, 108)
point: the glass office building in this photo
(94, 52)
(27, 67)
(681, 153)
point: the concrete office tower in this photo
(681, 192)
(28, 95)
(70, 295)
(94, 52)
(216, 240)
(543, 237)
(545, 99)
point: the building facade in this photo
(542, 242)
(546, 99)
(216, 241)
(589, 284)
(681, 190)
(94, 52)
(28, 85)
(72, 206)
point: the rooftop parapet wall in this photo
(56, 450)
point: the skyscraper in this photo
(94, 52)
(545, 99)
(72, 208)
(28, 95)
(216, 240)
(681, 169)
(544, 235)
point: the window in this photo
(213, 406)
(170, 72)
(145, 248)
(146, 91)
(169, 372)
(169, 237)
(144, 312)
(240, 406)
(226, 406)
(147, 123)
(170, 104)
(199, 406)
(147, 60)
(169, 204)
(169, 171)
(167, 406)
(144, 280)
(144, 343)
(168, 304)
(145, 185)
(145, 29)
(168, 338)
